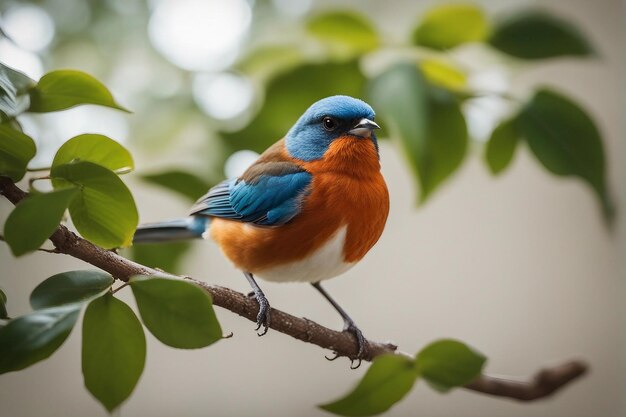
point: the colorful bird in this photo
(307, 210)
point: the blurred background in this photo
(521, 266)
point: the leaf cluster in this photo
(85, 179)
(420, 91)
(444, 365)
(176, 312)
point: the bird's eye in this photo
(329, 123)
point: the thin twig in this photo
(543, 384)
(496, 94)
(31, 181)
(55, 250)
(120, 287)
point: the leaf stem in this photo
(120, 287)
(506, 96)
(32, 180)
(48, 250)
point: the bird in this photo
(309, 209)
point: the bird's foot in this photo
(355, 361)
(263, 319)
(351, 328)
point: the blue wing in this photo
(270, 198)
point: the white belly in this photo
(326, 262)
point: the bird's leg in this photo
(348, 324)
(263, 318)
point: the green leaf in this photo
(181, 182)
(98, 149)
(385, 383)
(34, 337)
(16, 150)
(165, 256)
(345, 31)
(451, 25)
(35, 218)
(178, 313)
(289, 95)
(501, 146)
(445, 143)
(428, 122)
(537, 35)
(446, 364)
(3, 305)
(60, 90)
(443, 74)
(566, 141)
(114, 350)
(264, 62)
(399, 95)
(103, 210)
(70, 287)
(14, 86)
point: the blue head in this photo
(327, 120)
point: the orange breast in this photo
(347, 189)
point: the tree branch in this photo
(544, 383)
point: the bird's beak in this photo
(364, 128)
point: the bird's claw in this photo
(263, 319)
(350, 327)
(352, 361)
(360, 340)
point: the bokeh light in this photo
(134, 81)
(51, 130)
(484, 113)
(491, 80)
(70, 16)
(91, 119)
(222, 96)
(199, 35)
(292, 8)
(30, 27)
(21, 60)
(238, 162)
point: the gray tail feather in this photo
(173, 230)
